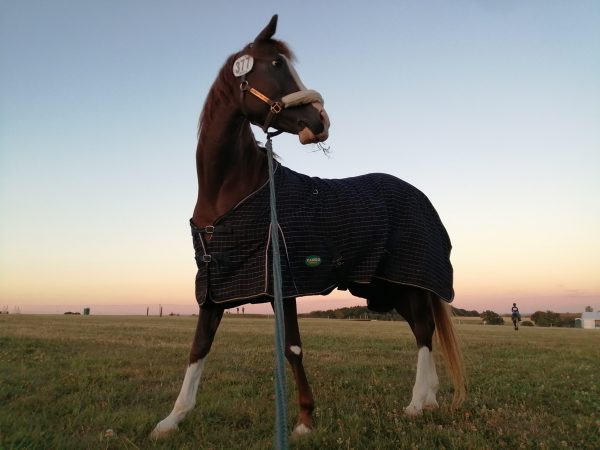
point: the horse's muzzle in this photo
(307, 136)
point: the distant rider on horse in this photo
(516, 316)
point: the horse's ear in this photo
(268, 32)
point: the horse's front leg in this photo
(208, 322)
(293, 353)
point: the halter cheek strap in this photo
(275, 107)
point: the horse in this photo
(516, 317)
(230, 230)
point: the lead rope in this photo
(280, 381)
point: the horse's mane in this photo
(224, 87)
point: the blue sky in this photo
(491, 108)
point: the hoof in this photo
(162, 431)
(301, 430)
(430, 406)
(412, 411)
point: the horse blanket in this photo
(342, 233)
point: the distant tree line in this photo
(364, 313)
(353, 312)
(459, 312)
(553, 319)
(540, 318)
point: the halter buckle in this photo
(276, 108)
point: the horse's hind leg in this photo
(208, 322)
(293, 353)
(415, 306)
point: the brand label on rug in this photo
(313, 261)
(243, 65)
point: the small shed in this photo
(589, 320)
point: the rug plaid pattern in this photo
(333, 233)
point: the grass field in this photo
(66, 380)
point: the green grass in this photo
(66, 380)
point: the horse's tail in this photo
(448, 343)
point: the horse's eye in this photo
(276, 63)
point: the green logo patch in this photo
(313, 261)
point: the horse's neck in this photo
(230, 167)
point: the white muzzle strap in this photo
(303, 97)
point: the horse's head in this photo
(271, 93)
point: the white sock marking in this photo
(421, 387)
(185, 401)
(295, 349)
(301, 429)
(434, 384)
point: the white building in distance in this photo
(589, 320)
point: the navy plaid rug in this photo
(333, 234)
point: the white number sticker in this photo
(243, 65)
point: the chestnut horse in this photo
(259, 85)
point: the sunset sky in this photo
(490, 108)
